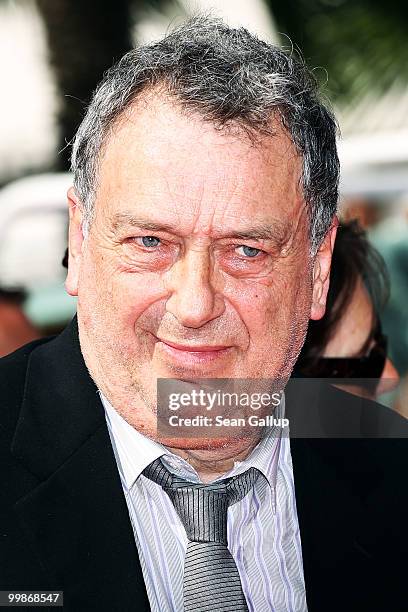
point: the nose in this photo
(390, 371)
(194, 300)
(389, 378)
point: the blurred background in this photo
(54, 52)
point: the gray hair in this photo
(231, 78)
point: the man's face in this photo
(197, 262)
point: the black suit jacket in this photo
(64, 522)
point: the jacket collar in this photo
(60, 408)
(76, 518)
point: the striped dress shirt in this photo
(262, 529)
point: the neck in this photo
(211, 464)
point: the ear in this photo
(321, 272)
(75, 242)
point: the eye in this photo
(149, 241)
(249, 251)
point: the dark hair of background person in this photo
(354, 258)
(13, 296)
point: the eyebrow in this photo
(126, 219)
(278, 232)
(261, 232)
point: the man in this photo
(202, 222)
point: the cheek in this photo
(262, 302)
(274, 312)
(110, 295)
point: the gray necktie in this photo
(211, 578)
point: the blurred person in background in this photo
(15, 328)
(390, 238)
(348, 341)
(33, 234)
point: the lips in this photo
(193, 354)
(191, 348)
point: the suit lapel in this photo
(331, 478)
(76, 518)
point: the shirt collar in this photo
(135, 452)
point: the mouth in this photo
(193, 353)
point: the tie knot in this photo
(202, 508)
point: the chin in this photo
(207, 444)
